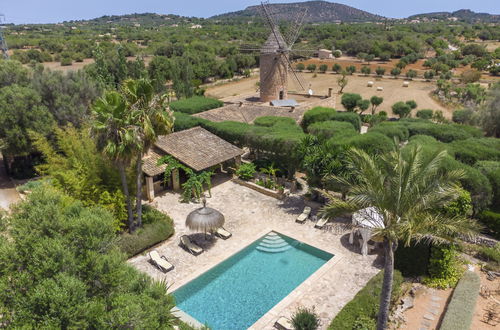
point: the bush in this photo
(491, 220)
(491, 170)
(462, 116)
(317, 114)
(300, 67)
(350, 101)
(392, 130)
(311, 67)
(350, 117)
(442, 132)
(373, 143)
(462, 305)
(66, 61)
(401, 109)
(305, 319)
(246, 171)
(195, 104)
(323, 68)
(444, 267)
(473, 150)
(270, 121)
(364, 306)
(412, 260)
(425, 114)
(329, 128)
(156, 228)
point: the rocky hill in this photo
(462, 14)
(318, 11)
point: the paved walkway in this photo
(249, 215)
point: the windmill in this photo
(275, 64)
(3, 43)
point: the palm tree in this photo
(113, 129)
(152, 118)
(407, 189)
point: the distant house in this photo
(325, 54)
(196, 26)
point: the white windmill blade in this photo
(294, 32)
(266, 13)
(300, 80)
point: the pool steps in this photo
(273, 243)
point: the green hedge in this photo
(472, 150)
(442, 132)
(270, 121)
(492, 171)
(317, 114)
(412, 260)
(364, 306)
(425, 114)
(390, 130)
(184, 121)
(330, 128)
(195, 104)
(350, 117)
(373, 143)
(460, 310)
(156, 228)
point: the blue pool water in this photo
(237, 292)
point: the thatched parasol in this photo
(205, 219)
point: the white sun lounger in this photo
(321, 223)
(160, 262)
(222, 233)
(283, 324)
(305, 214)
(190, 246)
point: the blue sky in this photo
(52, 11)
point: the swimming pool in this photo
(237, 292)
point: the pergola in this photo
(196, 148)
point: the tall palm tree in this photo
(407, 189)
(113, 129)
(152, 118)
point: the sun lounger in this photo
(283, 324)
(305, 214)
(190, 246)
(321, 223)
(160, 262)
(222, 233)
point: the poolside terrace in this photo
(249, 215)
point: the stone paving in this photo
(249, 215)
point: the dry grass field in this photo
(393, 90)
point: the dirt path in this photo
(428, 308)
(8, 192)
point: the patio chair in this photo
(321, 223)
(305, 214)
(283, 324)
(222, 233)
(190, 246)
(160, 261)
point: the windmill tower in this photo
(3, 43)
(275, 65)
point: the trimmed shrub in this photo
(365, 304)
(317, 114)
(373, 143)
(491, 220)
(472, 150)
(491, 255)
(462, 305)
(425, 114)
(195, 104)
(305, 319)
(330, 128)
(444, 267)
(442, 132)
(350, 117)
(350, 101)
(184, 121)
(492, 171)
(156, 228)
(462, 116)
(269, 121)
(66, 61)
(392, 130)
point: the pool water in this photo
(237, 292)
